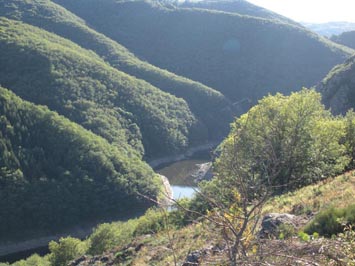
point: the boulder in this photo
(203, 172)
(272, 221)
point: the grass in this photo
(169, 245)
(338, 192)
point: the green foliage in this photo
(283, 143)
(209, 106)
(331, 221)
(349, 139)
(337, 87)
(285, 231)
(106, 236)
(56, 174)
(304, 236)
(151, 222)
(79, 85)
(66, 250)
(34, 260)
(218, 53)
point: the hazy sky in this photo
(311, 10)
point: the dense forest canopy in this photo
(210, 107)
(46, 69)
(55, 174)
(243, 57)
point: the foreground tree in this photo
(281, 144)
(291, 138)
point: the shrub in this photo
(331, 221)
(34, 260)
(285, 231)
(66, 250)
(152, 221)
(106, 236)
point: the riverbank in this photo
(11, 248)
(155, 163)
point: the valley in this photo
(246, 112)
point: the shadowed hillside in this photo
(338, 87)
(241, 56)
(210, 107)
(46, 69)
(346, 38)
(241, 7)
(55, 174)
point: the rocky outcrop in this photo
(197, 256)
(273, 221)
(204, 172)
(167, 192)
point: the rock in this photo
(204, 172)
(167, 192)
(194, 258)
(78, 261)
(272, 221)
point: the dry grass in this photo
(170, 246)
(338, 191)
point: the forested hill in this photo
(46, 69)
(241, 56)
(237, 6)
(338, 87)
(55, 174)
(210, 108)
(346, 38)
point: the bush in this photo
(106, 236)
(331, 221)
(66, 250)
(34, 260)
(152, 221)
(283, 143)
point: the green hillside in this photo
(55, 174)
(46, 69)
(338, 87)
(209, 106)
(241, 56)
(346, 38)
(241, 7)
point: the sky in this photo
(317, 11)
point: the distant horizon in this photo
(311, 11)
(303, 10)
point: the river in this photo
(181, 175)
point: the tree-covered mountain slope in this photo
(338, 87)
(241, 7)
(241, 56)
(209, 106)
(46, 69)
(55, 174)
(346, 38)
